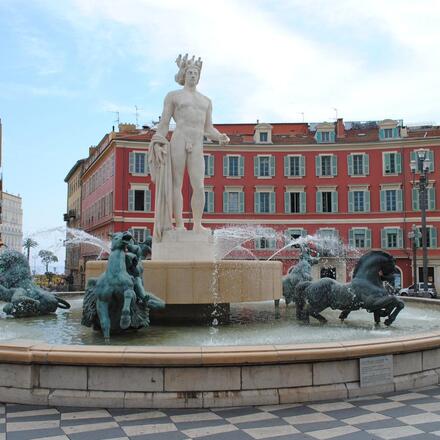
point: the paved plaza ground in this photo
(411, 415)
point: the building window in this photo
(326, 201)
(209, 165)
(387, 133)
(392, 238)
(391, 200)
(430, 202)
(263, 136)
(139, 200)
(358, 201)
(139, 234)
(326, 165)
(294, 234)
(264, 202)
(392, 163)
(265, 243)
(430, 158)
(294, 166)
(138, 163)
(295, 202)
(209, 201)
(360, 238)
(233, 202)
(233, 166)
(264, 166)
(358, 164)
(431, 237)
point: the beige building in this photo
(12, 222)
(73, 220)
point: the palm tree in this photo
(47, 257)
(28, 243)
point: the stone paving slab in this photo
(399, 415)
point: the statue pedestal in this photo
(183, 245)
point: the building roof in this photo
(73, 169)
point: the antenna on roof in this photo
(117, 116)
(336, 113)
(302, 114)
(137, 115)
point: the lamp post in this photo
(422, 164)
(414, 235)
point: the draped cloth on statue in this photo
(159, 159)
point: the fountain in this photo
(255, 359)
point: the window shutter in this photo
(398, 163)
(302, 166)
(210, 201)
(366, 201)
(396, 132)
(350, 201)
(366, 163)
(415, 199)
(286, 166)
(241, 165)
(431, 199)
(131, 199)
(131, 162)
(334, 201)
(147, 200)
(415, 158)
(257, 202)
(332, 136)
(318, 137)
(225, 165)
(225, 202)
(350, 164)
(431, 158)
(272, 166)
(368, 238)
(387, 165)
(382, 200)
(318, 201)
(302, 202)
(351, 238)
(334, 165)
(399, 200)
(287, 202)
(318, 165)
(383, 234)
(399, 238)
(211, 165)
(241, 201)
(147, 164)
(272, 202)
(256, 166)
(258, 243)
(433, 232)
(381, 133)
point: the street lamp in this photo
(422, 164)
(414, 235)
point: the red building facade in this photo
(347, 181)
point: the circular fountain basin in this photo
(256, 359)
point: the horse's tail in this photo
(90, 314)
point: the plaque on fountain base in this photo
(183, 245)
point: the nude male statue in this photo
(192, 113)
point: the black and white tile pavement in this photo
(409, 415)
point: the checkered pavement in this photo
(411, 415)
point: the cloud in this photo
(274, 60)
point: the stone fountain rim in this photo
(33, 352)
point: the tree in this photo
(47, 257)
(28, 243)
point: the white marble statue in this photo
(192, 113)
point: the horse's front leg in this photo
(399, 305)
(125, 321)
(104, 317)
(344, 314)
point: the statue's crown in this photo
(183, 62)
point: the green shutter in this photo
(225, 202)
(399, 200)
(318, 137)
(367, 201)
(332, 136)
(350, 164)
(257, 243)
(381, 133)
(318, 165)
(431, 199)
(396, 132)
(131, 162)
(350, 201)
(382, 200)
(387, 164)
(287, 202)
(241, 166)
(225, 165)
(286, 166)
(368, 238)
(431, 158)
(334, 165)
(415, 199)
(366, 163)
(302, 166)
(433, 232)
(147, 164)
(399, 238)
(398, 163)
(210, 201)
(131, 199)
(302, 202)
(256, 166)
(334, 201)
(351, 237)
(272, 202)
(383, 236)
(272, 166)
(318, 201)
(241, 201)
(211, 165)
(147, 200)
(256, 202)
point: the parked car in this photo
(410, 291)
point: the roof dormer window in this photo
(388, 130)
(263, 136)
(263, 133)
(325, 133)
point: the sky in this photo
(68, 65)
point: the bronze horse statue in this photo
(365, 291)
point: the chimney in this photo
(127, 128)
(340, 129)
